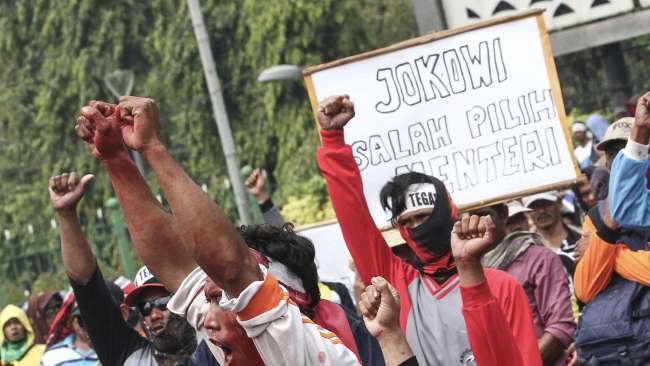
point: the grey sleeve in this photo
(271, 213)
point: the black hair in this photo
(282, 244)
(392, 193)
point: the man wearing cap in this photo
(629, 190)
(584, 151)
(448, 315)
(540, 272)
(547, 216)
(517, 217)
(171, 341)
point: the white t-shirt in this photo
(281, 334)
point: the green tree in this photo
(54, 55)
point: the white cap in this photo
(515, 207)
(418, 197)
(578, 127)
(550, 196)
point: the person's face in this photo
(611, 151)
(518, 222)
(498, 218)
(79, 329)
(546, 214)
(14, 331)
(226, 333)
(157, 318)
(586, 196)
(51, 309)
(414, 219)
(581, 137)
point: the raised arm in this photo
(65, 192)
(256, 185)
(380, 308)
(498, 335)
(112, 338)
(372, 256)
(628, 185)
(152, 229)
(204, 230)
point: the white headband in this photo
(418, 197)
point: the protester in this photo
(172, 340)
(584, 151)
(430, 291)
(547, 216)
(628, 185)
(517, 217)
(332, 291)
(613, 278)
(41, 310)
(540, 272)
(75, 349)
(17, 347)
(280, 333)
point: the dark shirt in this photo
(115, 342)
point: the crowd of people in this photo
(555, 278)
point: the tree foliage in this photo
(55, 54)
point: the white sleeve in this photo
(281, 334)
(189, 302)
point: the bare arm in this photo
(380, 308)
(205, 231)
(152, 228)
(65, 192)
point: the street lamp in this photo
(280, 72)
(120, 82)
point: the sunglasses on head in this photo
(146, 307)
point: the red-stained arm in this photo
(206, 232)
(153, 229)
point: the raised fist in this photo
(99, 127)
(642, 115)
(256, 185)
(335, 112)
(379, 305)
(140, 124)
(67, 189)
(472, 237)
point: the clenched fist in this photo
(99, 126)
(642, 115)
(472, 237)
(67, 189)
(143, 129)
(335, 112)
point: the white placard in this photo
(332, 256)
(475, 109)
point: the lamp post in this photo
(280, 72)
(219, 108)
(120, 82)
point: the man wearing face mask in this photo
(432, 295)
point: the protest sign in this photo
(332, 255)
(479, 107)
